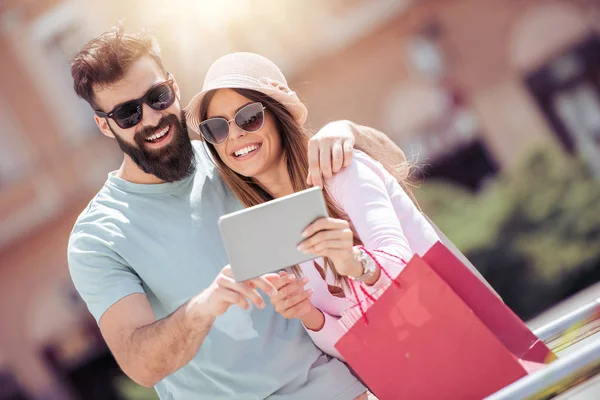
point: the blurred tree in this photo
(132, 391)
(534, 232)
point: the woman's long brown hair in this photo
(294, 140)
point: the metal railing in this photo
(571, 328)
(568, 370)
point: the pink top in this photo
(386, 219)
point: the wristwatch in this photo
(369, 266)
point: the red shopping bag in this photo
(439, 333)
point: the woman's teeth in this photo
(158, 135)
(246, 150)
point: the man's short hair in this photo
(106, 59)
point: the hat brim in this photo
(288, 99)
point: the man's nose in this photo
(151, 117)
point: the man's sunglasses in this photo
(249, 118)
(129, 114)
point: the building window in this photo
(567, 89)
(579, 109)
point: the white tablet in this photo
(263, 238)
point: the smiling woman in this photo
(253, 125)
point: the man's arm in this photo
(370, 138)
(148, 350)
(330, 149)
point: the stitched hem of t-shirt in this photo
(352, 392)
(114, 300)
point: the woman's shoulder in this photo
(362, 167)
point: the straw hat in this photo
(246, 71)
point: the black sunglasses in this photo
(129, 114)
(249, 118)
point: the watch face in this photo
(368, 266)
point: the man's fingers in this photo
(231, 297)
(253, 296)
(325, 159)
(309, 181)
(274, 278)
(227, 271)
(314, 171)
(265, 284)
(244, 290)
(280, 281)
(337, 156)
(348, 146)
(317, 180)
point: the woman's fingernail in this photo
(300, 247)
(305, 234)
(305, 279)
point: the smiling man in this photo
(147, 258)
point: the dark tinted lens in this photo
(215, 130)
(161, 97)
(128, 115)
(250, 118)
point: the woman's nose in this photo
(234, 131)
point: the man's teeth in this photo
(158, 135)
(246, 150)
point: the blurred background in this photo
(497, 101)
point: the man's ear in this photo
(103, 126)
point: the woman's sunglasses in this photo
(129, 114)
(249, 118)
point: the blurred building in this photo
(469, 85)
(465, 85)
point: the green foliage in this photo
(132, 391)
(534, 229)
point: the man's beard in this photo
(173, 162)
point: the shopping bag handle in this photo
(362, 288)
(370, 254)
(362, 310)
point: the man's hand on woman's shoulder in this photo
(330, 149)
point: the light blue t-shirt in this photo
(163, 240)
